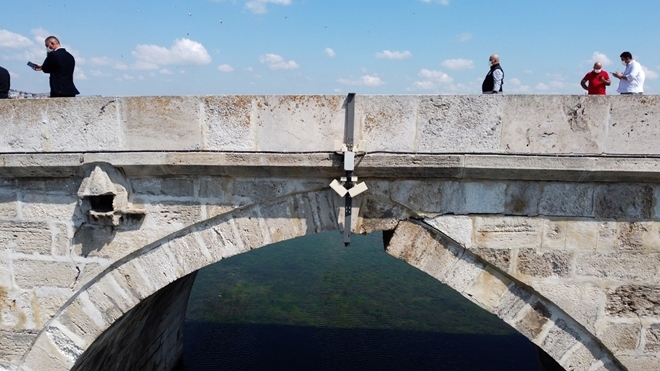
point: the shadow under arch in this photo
(83, 320)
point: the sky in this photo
(216, 47)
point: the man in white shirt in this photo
(631, 81)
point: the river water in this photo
(312, 304)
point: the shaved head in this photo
(598, 66)
(494, 58)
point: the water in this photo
(310, 303)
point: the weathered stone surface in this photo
(566, 199)
(227, 122)
(172, 187)
(60, 208)
(33, 273)
(633, 126)
(487, 289)
(507, 232)
(532, 323)
(582, 301)
(617, 201)
(560, 339)
(631, 235)
(561, 123)
(652, 337)
(8, 205)
(456, 227)
(17, 310)
(161, 123)
(375, 216)
(621, 266)
(633, 301)
(450, 124)
(13, 344)
(512, 302)
(26, 237)
(500, 258)
(171, 216)
(621, 337)
(522, 198)
(639, 363)
(547, 264)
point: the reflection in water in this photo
(310, 303)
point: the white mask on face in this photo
(597, 70)
(624, 63)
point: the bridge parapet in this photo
(410, 124)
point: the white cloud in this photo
(127, 77)
(11, 40)
(651, 75)
(386, 54)
(183, 52)
(105, 61)
(276, 62)
(259, 6)
(329, 52)
(443, 2)
(165, 71)
(365, 80)
(528, 72)
(432, 79)
(600, 57)
(99, 73)
(79, 74)
(458, 64)
(436, 76)
(542, 87)
(225, 68)
(465, 36)
(515, 86)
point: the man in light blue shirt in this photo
(631, 81)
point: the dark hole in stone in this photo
(101, 204)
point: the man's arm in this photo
(606, 80)
(634, 71)
(498, 75)
(583, 83)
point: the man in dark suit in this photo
(60, 65)
(4, 83)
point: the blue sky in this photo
(177, 47)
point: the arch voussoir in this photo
(538, 319)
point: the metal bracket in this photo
(345, 187)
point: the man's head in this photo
(626, 57)
(52, 42)
(598, 66)
(494, 59)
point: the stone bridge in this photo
(541, 209)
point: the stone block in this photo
(453, 123)
(37, 273)
(171, 216)
(633, 126)
(456, 227)
(216, 190)
(8, 205)
(566, 200)
(223, 240)
(499, 258)
(379, 216)
(548, 264)
(14, 343)
(17, 310)
(633, 301)
(81, 319)
(61, 239)
(582, 302)
(464, 272)
(639, 362)
(656, 203)
(554, 234)
(522, 198)
(582, 235)
(108, 243)
(227, 123)
(484, 198)
(49, 301)
(51, 208)
(487, 289)
(512, 302)
(581, 357)
(161, 123)
(428, 196)
(190, 253)
(621, 337)
(652, 337)
(619, 266)
(89, 272)
(390, 125)
(607, 236)
(507, 232)
(26, 237)
(163, 187)
(534, 320)
(631, 235)
(46, 125)
(160, 266)
(623, 201)
(318, 211)
(557, 124)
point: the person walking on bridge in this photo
(598, 80)
(60, 65)
(4, 83)
(495, 78)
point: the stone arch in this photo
(122, 286)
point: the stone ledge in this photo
(321, 164)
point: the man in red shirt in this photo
(598, 80)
